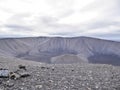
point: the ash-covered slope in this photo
(44, 48)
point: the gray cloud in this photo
(18, 27)
(99, 18)
(102, 24)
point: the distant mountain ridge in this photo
(44, 49)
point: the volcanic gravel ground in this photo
(66, 77)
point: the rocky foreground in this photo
(63, 77)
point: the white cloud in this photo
(59, 17)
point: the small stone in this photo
(91, 78)
(89, 88)
(72, 70)
(83, 84)
(23, 83)
(21, 88)
(14, 75)
(25, 74)
(42, 67)
(90, 72)
(38, 86)
(4, 73)
(51, 81)
(53, 68)
(48, 68)
(96, 87)
(22, 67)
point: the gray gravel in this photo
(66, 77)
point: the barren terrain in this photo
(79, 63)
(62, 77)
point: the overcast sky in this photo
(96, 18)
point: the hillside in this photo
(43, 49)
